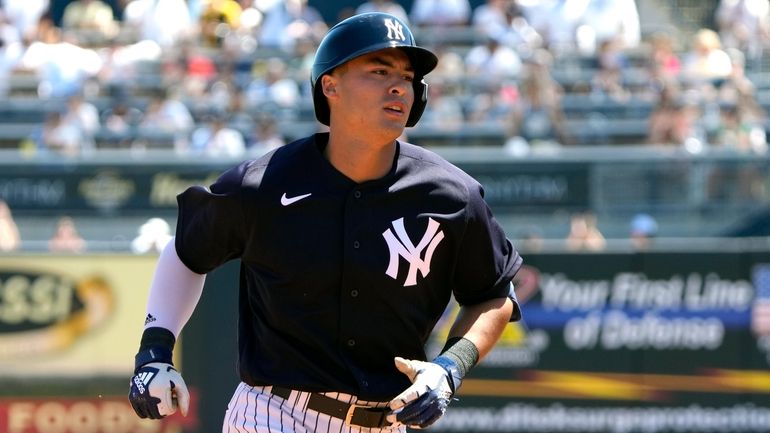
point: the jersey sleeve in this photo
(210, 227)
(487, 260)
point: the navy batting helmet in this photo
(362, 34)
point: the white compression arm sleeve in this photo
(174, 292)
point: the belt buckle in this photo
(351, 411)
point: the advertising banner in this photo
(132, 188)
(609, 342)
(69, 329)
(639, 342)
(99, 189)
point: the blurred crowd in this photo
(220, 77)
(230, 78)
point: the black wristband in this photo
(157, 345)
(463, 352)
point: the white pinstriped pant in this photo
(253, 409)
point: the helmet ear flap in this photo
(420, 101)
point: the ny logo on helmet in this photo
(400, 245)
(395, 29)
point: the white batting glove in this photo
(426, 400)
(158, 390)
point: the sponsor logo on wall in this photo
(45, 312)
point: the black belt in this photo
(353, 414)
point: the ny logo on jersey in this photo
(418, 257)
(395, 29)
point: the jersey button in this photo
(351, 342)
(356, 244)
(357, 194)
(354, 293)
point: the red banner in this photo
(105, 414)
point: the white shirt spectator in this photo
(24, 15)
(61, 66)
(744, 24)
(287, 21)
(493, 59)
(440, 12)
(614, 19)
(152, 237)
(83, 114)
(162, 21)
(386, 6)
(490, 16)
(218, 140)
(275, 87)
(557, 21)
(10, 53)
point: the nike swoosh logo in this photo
(287, 201)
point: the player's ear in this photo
(329, 85)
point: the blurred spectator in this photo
(608, 80)
(663, 62)
(83, 114)
(288, 21)
(218, 19)
(557, 21)
(737, 85)
(538, 117)
(11, 50)
(531, 239)
(610, 20)
(217, 139)
(490, 16)
(741, 120)
(705, 63)
(66, 238)
(492, 60)
(451, 65)
(90, 16)
(741, 129)
(220, 93)
(506, 19)
(198, 70)
(643, 229)
(674, 118)
(436, 13)
(152, 237)
(387, 6)
(10, 240)
(445, 111)
(62, 67)
(120, 119)
(300, 64)
(266, 135)
(584, 233)
(166, 112)
(62, 136)
(273, 86)
(744, 24)
(24, 15)
(164, 22)
(123, 64)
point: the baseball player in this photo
(351, 245)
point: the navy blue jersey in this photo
(339, 277)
